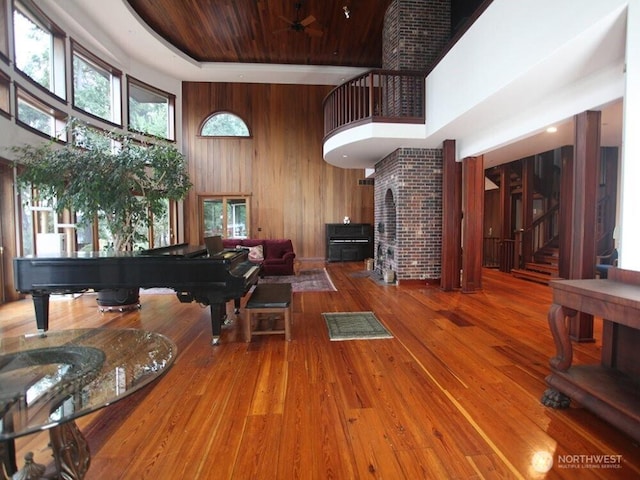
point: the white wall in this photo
(524, 65)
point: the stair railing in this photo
(375, 96)
(542, 232)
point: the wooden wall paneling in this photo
(473, 213)
(294, 192)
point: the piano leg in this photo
(218, 314)
(41, 306)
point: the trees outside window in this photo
(96, 86)
(40, 117)
(151, 111)
(224, 124)
(39, 50)
(226, 216)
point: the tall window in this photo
(39, 49)
(151, 111)
(225, 215)
(224, 124)
(96, 86)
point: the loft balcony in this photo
(372, 115)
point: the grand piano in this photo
(189, 270)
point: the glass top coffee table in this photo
(47, 380)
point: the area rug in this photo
(354, 326)
(314, 280)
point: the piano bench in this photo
(274, 300)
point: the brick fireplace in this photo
(408, 182)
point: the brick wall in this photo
(408, 212)
(414, 33)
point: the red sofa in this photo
(277, 255)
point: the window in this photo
(225, 215)
(151, 111)
(4, 31)
(40, 117)
(39, 49)
(224, 124)
(96, 86)
(5, 83)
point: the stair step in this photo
(543, 267)
(549, 259)
(538, 277)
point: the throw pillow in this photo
(256, 253)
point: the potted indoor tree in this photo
(118, 178)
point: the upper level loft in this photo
(373, 112)
(495, 91)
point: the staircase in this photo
(543, 269)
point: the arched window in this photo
(224, 124)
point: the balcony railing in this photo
(375, 96)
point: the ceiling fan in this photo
(299, 25)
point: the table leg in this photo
(70, 451)
(558, 326)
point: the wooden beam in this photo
(527, 210)
(506, 224)
(451, 259)
(473, 214)
(565, 214)
(586, 166)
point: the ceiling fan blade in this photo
(308, 21)
(286, 20)
(314, 32)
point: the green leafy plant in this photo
(114, 176)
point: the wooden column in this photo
(527, 210)
(565, 213)
(586, 165)
(506, 223)
(451, 260)
(472, 216)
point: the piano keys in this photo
(189, 270)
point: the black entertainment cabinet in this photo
(349, 242)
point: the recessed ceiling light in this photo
(345, 155)
(552, 130)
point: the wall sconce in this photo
(347, 12)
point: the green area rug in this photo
(354, 326)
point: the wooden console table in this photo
(612, 388)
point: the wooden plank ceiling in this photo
(310, 32)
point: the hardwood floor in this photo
(455, 394)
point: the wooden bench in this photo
(273, 299)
